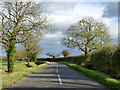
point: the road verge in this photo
(9, 78)
(99, 77)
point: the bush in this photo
(105, 59)
(33, 57)
(65, 53)
(115, 64)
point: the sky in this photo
(65, 14)
(68, 13)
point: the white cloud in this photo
(66, 15)
(64, 18)
(113, 26)
(77, 0)
(79, 10)
(86, 9)
(56, 35)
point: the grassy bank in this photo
(99, 77)
(20, 70)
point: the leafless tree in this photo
(18, 20)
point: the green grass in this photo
(99, 77)
(20, 70)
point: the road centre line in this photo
(59, 79)
(57, 68)
(58, 75)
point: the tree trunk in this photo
(85, 53)
(11, 55)
(28, 59)
(28, 62)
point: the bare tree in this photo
(87, 34)
(18, 20)
(32, 47)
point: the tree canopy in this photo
(18, 20)
(87, 34)
(65, 53)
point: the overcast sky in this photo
(65, 14)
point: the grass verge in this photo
(97, 76)
(20, 71)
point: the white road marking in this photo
(59, 79)
(57, 68)
(58, 75)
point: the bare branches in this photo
(23, 18)
(88, 34)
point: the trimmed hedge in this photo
(105, 59)
(80, 59)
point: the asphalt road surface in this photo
(56, 75)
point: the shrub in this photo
(115, 64)
(33, 57)
(105, 59)
(65, 53)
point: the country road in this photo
(56, 75)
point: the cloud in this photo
(76, 10)
(111, 10)
(112, 24)
(56, 35)
(50, 6)
(66, 14)
(88, 9)
(76, 0)
(63, 19)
